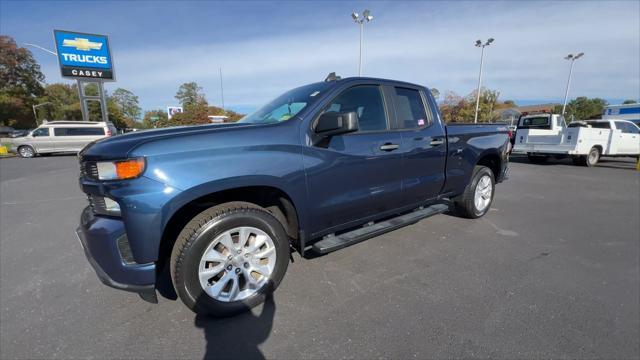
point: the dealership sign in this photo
(84, 56)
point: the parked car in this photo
(319, 168)
(19, 133)
(61, 136)
(5, 131)
(541, 136)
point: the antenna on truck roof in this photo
(332, 77)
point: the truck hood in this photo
(119, 147)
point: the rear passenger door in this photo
(62, 139)
(424, 147)
(73, 139)
(354, 176)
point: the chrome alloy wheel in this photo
(237, 264)
(26, 151)
(593, 157)
(484, 190)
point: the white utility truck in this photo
(541, 136)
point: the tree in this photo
(63, 103)
(456, 108)
(127, 102)
(20, 79)
(583, 108)
(231, 115)
(193, 114)
(155, 118)
(629, 101)
(189, 94)
(435, 92)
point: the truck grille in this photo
(97, 204)
(89, 170)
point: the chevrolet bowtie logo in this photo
(82, 44)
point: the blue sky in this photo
(265, 48)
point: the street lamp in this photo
(571, 58)
(481, 46)
(35, 114)
(366, 16)
(41, 48)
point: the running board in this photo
(332, 243)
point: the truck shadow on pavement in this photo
(238, 337)
(625, 163)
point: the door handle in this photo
(436, 142)
(389, 147)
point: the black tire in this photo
(465, 205)
(26, 151)
(537, 159)
(592, 158)
(200, 232)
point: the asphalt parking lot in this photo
(553, 271)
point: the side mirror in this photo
(333, 123)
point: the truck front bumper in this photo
(99, 237)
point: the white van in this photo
(61, 136)
(543, 135)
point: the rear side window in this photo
(535, 122)
(410, 111)
(600, 125)
(366, 101)
(80, 131)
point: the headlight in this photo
(120, 170)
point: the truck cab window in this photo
(410, 110)
(366, 100)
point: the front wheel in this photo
(26, 151)
(478, 195)
(229, 258)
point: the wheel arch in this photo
(27, 145)
(273, 198)
(599, 147)
(493, 161)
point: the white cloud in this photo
(429, 46)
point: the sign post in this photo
(86, 58)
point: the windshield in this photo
(287, 105)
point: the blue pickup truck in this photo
(215, 211)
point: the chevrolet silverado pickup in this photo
(214, 211)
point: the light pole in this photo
(481, 46)
(43, 49)
(571, 58)
(366, 16)
(35, 114)
(221, 90)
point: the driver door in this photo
(628, 139)
(42, 140)
(353, 177)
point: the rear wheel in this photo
(26, 151)
(593, 157)
(229, 258)
(478, 195)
